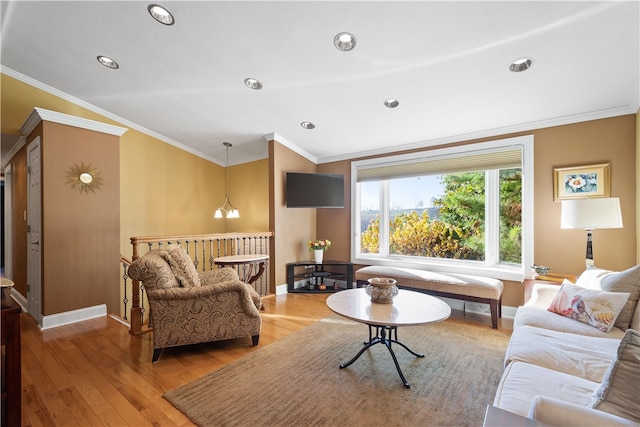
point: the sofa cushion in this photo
(611, 281)
(459, 284)
(619, 392)
(542, 318)
(521, 382)
(181, 266)
(599, 309)
(579, 355)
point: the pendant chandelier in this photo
(227, 207)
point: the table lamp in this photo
(591, 214)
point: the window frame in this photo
(489, 267)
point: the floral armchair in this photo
(187, 307)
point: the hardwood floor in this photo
(95, 373)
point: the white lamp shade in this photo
(590, 214)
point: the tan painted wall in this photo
(293, 228)
(335, 223)
(600, 141)
(166, 191)
(249, 189)
(80, 230)
(609, 140)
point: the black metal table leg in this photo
(395, 340)
(381, 337)
(362, 350)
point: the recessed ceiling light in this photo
(108, 62)
(391, 103)
(521, 64)
(307, 125)
(160, 14)
(253, 83)
(344, 41)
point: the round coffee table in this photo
(409, 308)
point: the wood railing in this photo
(203, 249)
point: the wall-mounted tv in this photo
(314, 190)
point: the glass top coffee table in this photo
(409, 308)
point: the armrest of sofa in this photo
(229, 274)
(223, 274)
(559, 413)
(542, 294)
(248, 297)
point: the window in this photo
(464, 209)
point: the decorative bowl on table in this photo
(540, 270)
(381, 290)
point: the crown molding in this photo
(40, 114)
(291, 146)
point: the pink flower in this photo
(319, 245)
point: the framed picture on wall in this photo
(580, 182)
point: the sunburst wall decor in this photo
(84, 177)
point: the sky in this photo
(406, 193)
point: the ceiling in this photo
(445, 62)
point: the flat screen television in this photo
(314, 190)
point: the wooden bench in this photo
(458, 286)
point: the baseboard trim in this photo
(508, 312)
(21, 300)
(73, 316)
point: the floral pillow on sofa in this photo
(593, 307)
(615, 281)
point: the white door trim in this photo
(34, 230)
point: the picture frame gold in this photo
(582, 182)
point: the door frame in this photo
(8, 221)
(34, 216)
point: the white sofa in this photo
(562, 372)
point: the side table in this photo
(551, 279)
(252, 262)
(317, 273)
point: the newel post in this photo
(136, 310)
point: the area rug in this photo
(297, 380)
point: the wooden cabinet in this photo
(11, 368)
(328, 276)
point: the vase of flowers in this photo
(318, 247)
